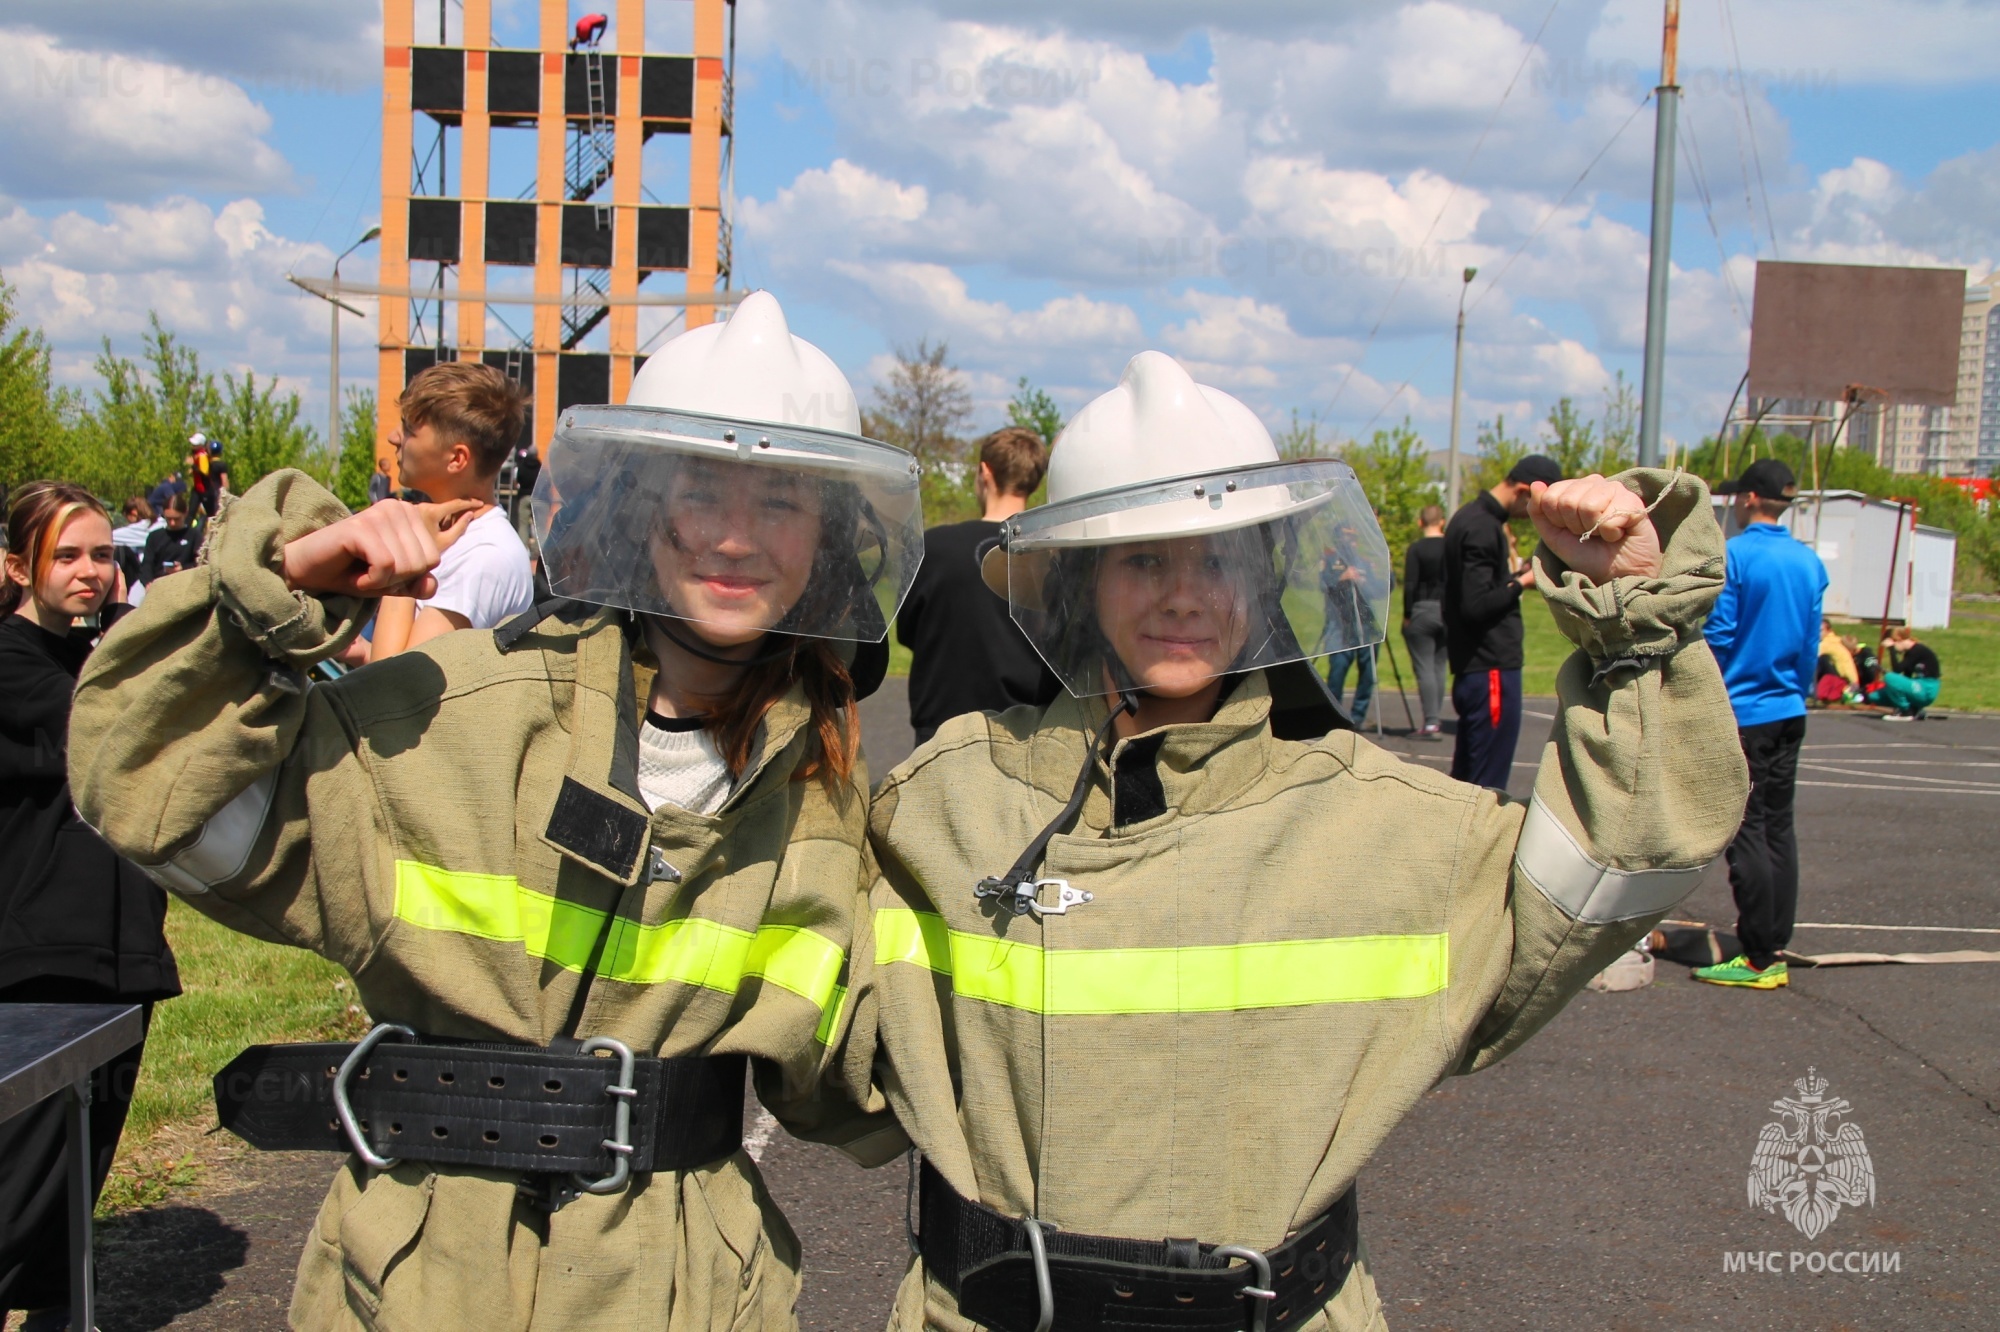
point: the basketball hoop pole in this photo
(1653, 386)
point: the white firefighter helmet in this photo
(734, 489)
(1169, 472)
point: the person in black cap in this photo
(1764, 632)
(1483, 582)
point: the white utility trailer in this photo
(1880, 562)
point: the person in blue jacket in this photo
(1764, 632)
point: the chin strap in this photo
(1018, 889)
(697, 649)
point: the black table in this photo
(47, 1050)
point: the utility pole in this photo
(1668, 94)
(334, 305)
(1457, 378)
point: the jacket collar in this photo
(599, 818)
(1202, 766)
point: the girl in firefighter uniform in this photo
(1155, 970)
(577, 902)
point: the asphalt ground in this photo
(1595, 1179)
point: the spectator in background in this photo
(460, 421)
(130, 541)
(1347, 616)
(172, 546)
(379, 484)
(172, 484)
(1483, 583)
(78, 924)
(966, 654)
(208, 475)
(1911, 683)
(1839, 681)
(1765, 632)
(1423, 617)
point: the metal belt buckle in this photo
(1045, 1289)
(344, 1110)
(623, 1092)
(1263, 1293)
(1027, 895)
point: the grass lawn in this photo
(237, 992)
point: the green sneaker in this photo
(1738, 971)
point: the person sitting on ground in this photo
(1911, 683)
(460, 420)
(172, 546)
(1839, 681)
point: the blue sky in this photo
(1055, 187)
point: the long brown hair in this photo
(36, 516)
(829, 691)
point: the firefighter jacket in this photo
(1287, 941)
(460, 828)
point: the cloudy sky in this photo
(1282, 199)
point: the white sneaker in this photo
(1897, 716)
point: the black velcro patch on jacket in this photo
(1137, 792)
(597, 829)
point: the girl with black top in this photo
(1423, 617)
(78, 924)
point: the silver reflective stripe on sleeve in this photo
(223, 848)
(1549, 858)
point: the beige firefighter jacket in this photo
(1271, 971)
(460, 827)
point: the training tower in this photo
(523, 211)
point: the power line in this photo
(1750, 126)
(1494, 281)
(1692, 152)
(1534, 45)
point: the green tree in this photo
(1033, 409)
(1497, 453)
(1306, 437)
(261, 432)
(34, 414)
(1569, 439)
(357, 448)
(1618, 429)
(923, 406)
(1394, 470)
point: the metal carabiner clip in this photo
(1262, 1293)
(344, 1110)
(1045, 1289)
(623, 1092)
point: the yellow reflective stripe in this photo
(692, 951)
(830, 1015)
(1221, 978)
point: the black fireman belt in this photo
(1020, 1275)
(596, 1112)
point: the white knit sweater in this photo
(681, 767)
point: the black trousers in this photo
(1424, 632)
(34, 1146)
(1489, 726)
(1764, 858)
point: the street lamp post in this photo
(333, 308)
(1457, 378)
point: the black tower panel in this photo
(434, 230)
(510, 233)
(585, 244)
(437, 82)
(666, 87)
(416, 360)
(582, 377)
(576, 84)
(513, 85)
(663, 237)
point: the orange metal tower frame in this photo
(586, 227)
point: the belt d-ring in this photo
(622, 1092)
(343, 1109)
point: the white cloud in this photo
(316, 45)
(86, 124)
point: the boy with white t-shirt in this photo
(460, 420)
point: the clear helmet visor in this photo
(1170, 585)
(742, 528)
